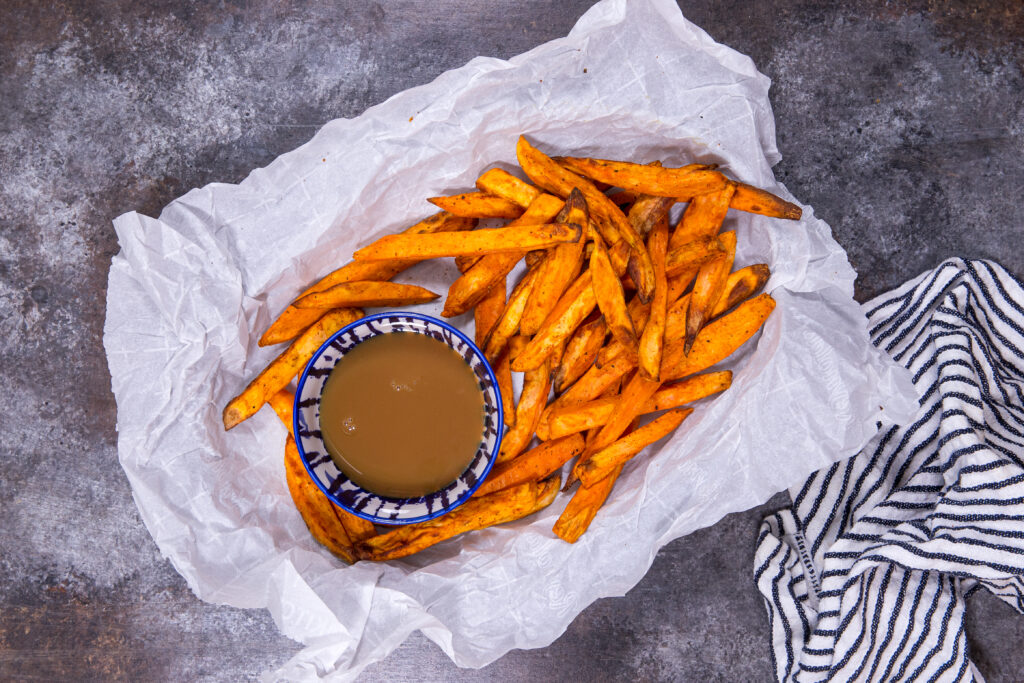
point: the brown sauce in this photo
(402, 414)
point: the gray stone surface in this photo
(901, 123)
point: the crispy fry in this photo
(740, 285)
(604, 462)
(463, 263)
(316, 509)
(572, 419)
(708, 288)
(487, 313)
(493, 241)
(507, 325)
(580, 352)
(574, 306)
(349, 294)
(631, 401)
(611, 300)
(503, 374)
(688, 181)
(532, 399)
(648, 210)
(293, 321)
(548, 174)
(717, 340)
(533, 465)
(692, 255)
(476, 513)
(504, 184)
(755, 200)
(594, 382)
(653, 337)
(468, 290)
(583, 507)
(560, 269)
(703, 217)
(279, 373)
(478, 205)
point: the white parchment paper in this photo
(190, 293)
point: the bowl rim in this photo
(490, 461)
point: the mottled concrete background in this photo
(901, 123)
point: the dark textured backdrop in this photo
(901, 123)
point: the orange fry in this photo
(478, 205)
(477, 513)
(573, 419)
(703, 217)
(740, 285)
(653, 337)
(533, 465)
(504, 184)
(708, 288)
(491, 241)
(293, 321)
(547, 173)
(282, 369)
(611, 300)
(604, 462)
(532, 399)
(685, 182)
(580, 352)
(692, 254)
(717, 340)
(507, 325)
(560, 269)
(574, 306)
(317, 511)
(755, 200)
(283, 403)
(583, 507)
(348, 294)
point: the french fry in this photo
(534, 257)
(282, 369)
(653, 337)
(503, 374)
(741, 285)
(508, 323)
(607, 460)
(467, 291)
(487, 313)
(478, 205)
(316, 509)
(685, 182)
(708, 288)
(574, 306)
(504, 184)
(293, 321)
(532, 399)
(647, 211)
(692, 255)
(350, 294)
(560, 269)
(572, 419)
(607, 217)
(611, 300)
(477, 513)
(580, 352)
(755, 200)
(631, 401)
(283, 403)
(703, 217)
(463, 263)
(533, 465)
(717, 340)
(582, 508)
(493, 241)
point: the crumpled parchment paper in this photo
(190, 293)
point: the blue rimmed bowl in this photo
(333, 482)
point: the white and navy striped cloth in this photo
(865, 577)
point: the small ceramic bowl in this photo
(333, 482)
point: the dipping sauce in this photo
(402, 414)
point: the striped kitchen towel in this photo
(865, 577)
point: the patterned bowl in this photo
(333, 482)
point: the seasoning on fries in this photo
(619, 312)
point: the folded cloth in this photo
(865, 576)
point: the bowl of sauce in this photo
(398, 418)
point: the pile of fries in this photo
(617, 313)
